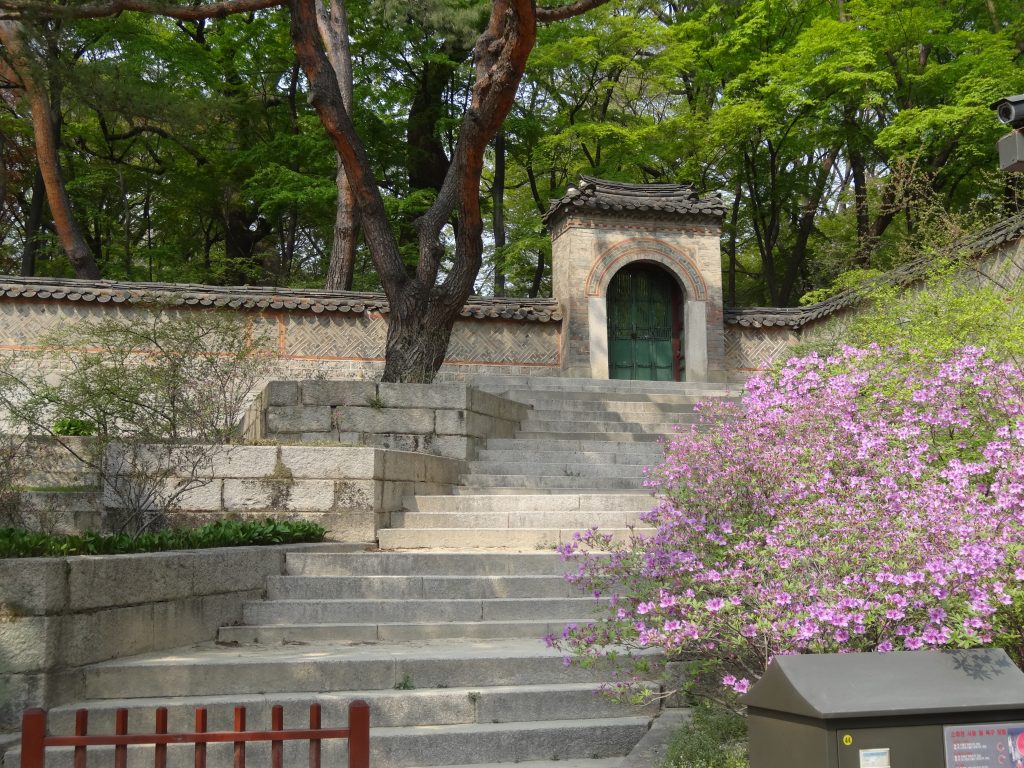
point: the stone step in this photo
(481, 490)
(606, 762)
(491, 538)
(511, 742)
(608, 443)
(576, 520)
(416, 587)
(562, 502)
(540, 468)
(403, 746)
(388, 708)
(650, 454)
(413, 610)
(612, 481)
(609, 417)
(547, 434)
(515, 384)
(425, 564)
(315, 634)
(622, 401)
(210, 669)
(573, 426)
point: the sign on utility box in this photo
(917, 709)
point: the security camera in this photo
(1010, 110)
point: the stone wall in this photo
(59, 614)
(350, 491)
(442, 419)
(310, 342)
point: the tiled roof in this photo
(986, 241)
(635, 199)
(255, 298)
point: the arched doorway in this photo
(645, 326)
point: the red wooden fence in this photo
(34, 740)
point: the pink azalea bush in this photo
(846, 504)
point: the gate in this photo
(644, 329)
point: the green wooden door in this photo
(641, 318)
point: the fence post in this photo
(33, 732)
(358, 734)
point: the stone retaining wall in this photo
(442, 419)
(351, 491)
(58, 614)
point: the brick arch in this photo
(647, 249)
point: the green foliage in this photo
(956, 306)
(153, 376)
(192, 154)
(16, 542)
(714, 737)
(71, 427)
(854, 279)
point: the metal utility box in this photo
(1011, 152)
(916, 709)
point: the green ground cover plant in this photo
(223, 533)
(714, 737)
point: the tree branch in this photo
(562, 12)
(15, 9)
(326, 97)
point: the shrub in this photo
(226, 533)
(957, 304)
(847, 505)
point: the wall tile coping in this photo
(255, 298)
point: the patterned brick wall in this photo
(750, 350)
(334, 346)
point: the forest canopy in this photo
(834, 131)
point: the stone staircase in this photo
(444, 646)
(577, 461)
(440, 630)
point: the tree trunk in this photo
(799, 250)
(33, 225)
(424, 307)
(865, 245)
(733, 233)
(426, 161)
(418, 335)
(333, 28)
(346, 231)
(240, 242)
(77, 250)
(855, 155)
(498, 202)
